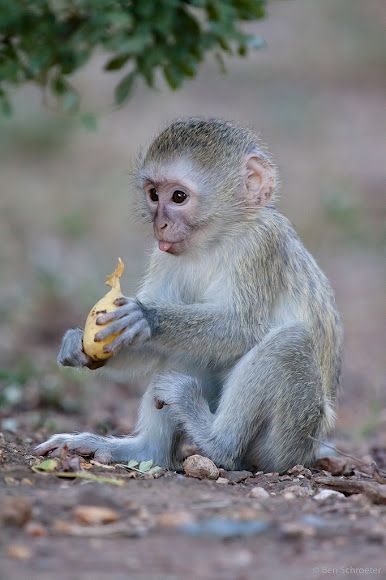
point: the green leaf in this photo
(90, 476)
(256, 42)
(117, 62)
(70, 101)
(89, 121)
(145, 466)
(173, 76)
(123, 89)
(133, 463)
(48, 466)
(5, 106)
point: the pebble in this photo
(259, 493)
(35, 529)
(91, 515)
(236, 476)
(200, 467)
(293, 491)
(296, 530)
(18, 552)
(174, 519)
(15, 511)
(324, 494)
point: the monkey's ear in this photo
(259, 180)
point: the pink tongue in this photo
(164, 246)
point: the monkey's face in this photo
(172, 200)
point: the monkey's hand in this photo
(130, 320)
(71, 351)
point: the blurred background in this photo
(316, 94)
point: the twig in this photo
(378, 474)
(374, 491)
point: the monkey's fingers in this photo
(52, 445)
(118, 326)
(118, 313)
(139, 332)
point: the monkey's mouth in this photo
(170, 247)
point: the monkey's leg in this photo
(271, 402)
(156, 437)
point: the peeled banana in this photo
(106, 304)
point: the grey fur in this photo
(240, 335)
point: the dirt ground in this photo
(50, 530)
(316, 93)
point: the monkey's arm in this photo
(202, 330)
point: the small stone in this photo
(289, 496)
(293, 530)
(200, 467)
(236, 476)
(325, 494)
(18, 552)
(297, 491)
(15, 511)
(35, 529)
(174, 519)
(300, 470)
(222, 481)
(259, 493)
(91, 515)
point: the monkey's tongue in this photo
(164, 246)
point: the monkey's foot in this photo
(103, 449)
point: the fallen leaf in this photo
(90, 477)
(145, 466)
(47, 466)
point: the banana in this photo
(106, 304)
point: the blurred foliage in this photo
(351, 221)
(46, 41)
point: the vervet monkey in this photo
(234, 327)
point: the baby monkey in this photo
(234, 328)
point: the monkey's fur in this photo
(238, 335)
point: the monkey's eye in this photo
(153, 194)
(179, 196)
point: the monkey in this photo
(234, 328)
